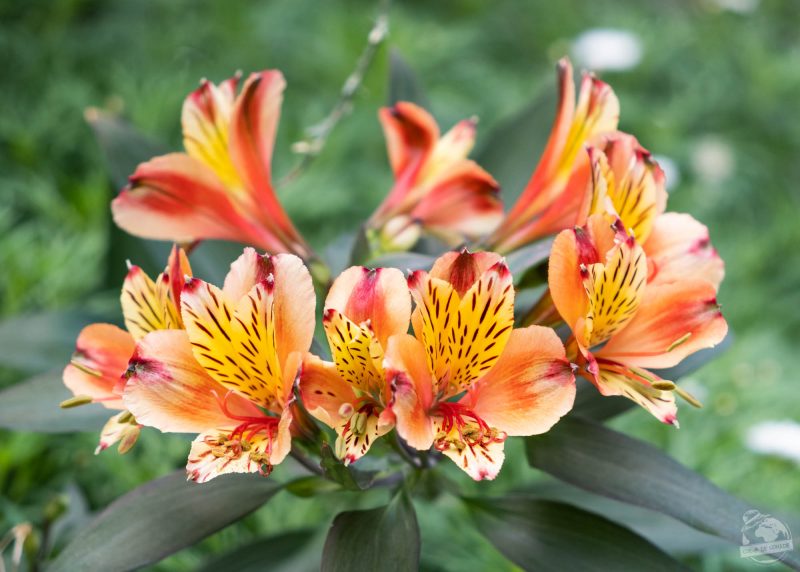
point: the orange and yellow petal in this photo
(673, 321)
(235, 342)
(450, 150)
(323, 392)
(627, 183)
(463, 268)
(413, 390)
(411, 134)
(571, 249)
(97, 367)
(679, 248)
(144, 304)
(378, 295)
(358, 430)
(614, 289)
(530, 387)
(169, 390)
(356, 352)
(205, 118)
(177, 198)
(464, 203)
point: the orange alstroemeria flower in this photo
(466, 380)
(436, 189)
(229, 377)
(622, 325)
(628, 183)
(552, 197)
(221, 187)
(96, 371)
(363, 310)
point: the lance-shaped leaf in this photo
(287, 552)
(385, 538)
(38, 342)
(511, 150)
(404, 85)
(608, 463)
(160, 518)
(547, 535)
(32, 405)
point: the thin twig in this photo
(310, 147)
(306, 462)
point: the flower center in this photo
(461, 427)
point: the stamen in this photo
(472, 430)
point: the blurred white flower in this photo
(781, 438)
(713, 160)
(739, 6)
(607, 49)
(672, 173)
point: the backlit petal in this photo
(101, 357)
(411, 133)
(167, 388)
(205, 118)
(679, 248)
(175, 197)
(530, 388)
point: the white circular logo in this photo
(765, 539)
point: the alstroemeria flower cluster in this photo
(433, 360)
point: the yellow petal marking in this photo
(143, 305)
(356, 352)
(465, 337)
(614, 290)
(236, 347)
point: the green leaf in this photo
(349, 478)
(403, 82)
(606, 462)
(385, 538)
(286, 552)
(32, 405)
(512, 149)
(160, 518)
(306, 487)
(547, 535)
(122, 145)
(38, 342)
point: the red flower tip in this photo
(190, 283)
(328, 315)
(415, 278)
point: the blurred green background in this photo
(716, 92)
